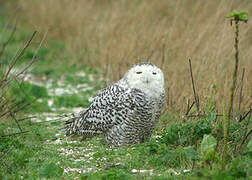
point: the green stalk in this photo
(232, 89)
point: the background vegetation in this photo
(91, 44)
(114, 35)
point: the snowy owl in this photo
(125, 112)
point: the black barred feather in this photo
(124, 115)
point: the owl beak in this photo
(147, 81)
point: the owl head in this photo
(146, 77)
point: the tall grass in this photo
(113, 35)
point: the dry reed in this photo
(113, 35)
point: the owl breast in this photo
(142, 116)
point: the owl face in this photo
(146, 77)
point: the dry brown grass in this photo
(116, 34)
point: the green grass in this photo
(39, 154)
(182, 150)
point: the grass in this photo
(182, 150)
(114, 35)
(65, 78)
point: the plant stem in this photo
(230, 106)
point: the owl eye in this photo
(154, 73)
(139, 72)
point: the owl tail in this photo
(75, 124)
(69, 126)
(70, 123)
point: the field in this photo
(91, 44)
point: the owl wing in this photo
(108, 108)
(159, 110)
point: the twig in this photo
(15, 105)
(50, 121)
(120, 69)
(106, 75)
(218, 139)
(240, 99)
(26, 95)
(189, 107)
(248, 134)
(151, 54)
(194, 91)
(163, 56)
(14, 134)
(243, 117)
(29, 117)
(168, 96)
(20, 54)
(245, 136)
(201, 115)
(60, 117)
(29, 64)
(8, 40)
(198, 101)
(13, 116)
(18, 109)
(22, 107)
